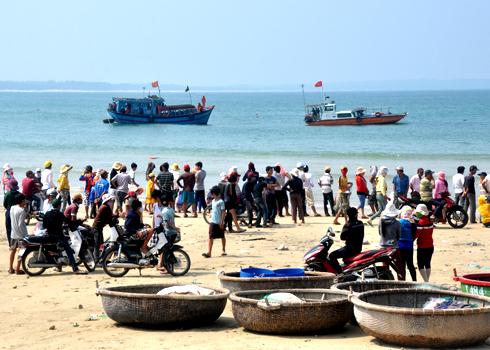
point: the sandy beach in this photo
(32, 306)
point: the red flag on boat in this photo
(319, 83)
(154, 84)
(203, 101)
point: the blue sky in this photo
(244, 42)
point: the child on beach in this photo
(217, 224)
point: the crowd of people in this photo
(261, 198)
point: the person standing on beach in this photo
(30, 189)
(308, 186)
(458, 185)
(425, 243)
(281, 196)
(415, 183)
(199, 188)
(426, 187)
(470, 194)
(9, 202)
(381, 193)
(88, 177)
(295, 188)
(19, 230)
(247, 189)
(230, 197)
(132, 174)
(7, 175)
(116, 167)
(186, 181)
(362, 190)
(121, 182)
(270, 195)
(47, 177)
(325, 183)
(165, 181)
(64, 186)
(401, 183)
(217, 222)
(149, 170)
(343, 203)
(258, 195)
(373, 171)
(150, 188)
(100, 188)
(405, 243)
(175, 171)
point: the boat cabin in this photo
(149, 106)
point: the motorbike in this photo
(38, 253)
(452, 213)
(122, 252)
(373, 264)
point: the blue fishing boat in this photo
(153, 109)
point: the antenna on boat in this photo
(304, 100)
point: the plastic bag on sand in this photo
(189, 289)
(282, 298)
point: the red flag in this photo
(319, 83)
(154, 84)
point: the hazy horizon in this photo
(258, 43)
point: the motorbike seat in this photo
(361, 255)
(41, 240)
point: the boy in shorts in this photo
(217, 222)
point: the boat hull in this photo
(383, 119)
(199, 118)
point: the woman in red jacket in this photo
(425, 244)
(362, 190)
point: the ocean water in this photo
(444, 129)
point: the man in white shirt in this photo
(47, 177)
(325, 182)
(415, 182)
(132, 173)
(458, 185)
(308, 186)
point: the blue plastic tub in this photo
(256, 272)
(290, 272)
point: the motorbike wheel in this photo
(457, 217)
(206, 214)
(88, 260)
(111, 256)
(33, 256)
(177, 262)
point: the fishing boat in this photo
(326, 114)
(153, 109)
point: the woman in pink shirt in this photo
(441, 185)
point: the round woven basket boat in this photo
(323, 311)
(397, 316)
(139, 305)
(368, 285)
(312, 280)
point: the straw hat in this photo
(48, 164)
(328, 168)
(117, 166)
(175, 167)
(422, 209)
(77, 196)
(65, 168)
(360, 170)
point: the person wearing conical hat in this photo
(116, 167)
(64, 186)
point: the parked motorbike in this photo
(452, 213)
(374, 263)
(39, 253)
(123, 252)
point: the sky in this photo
(253, 42)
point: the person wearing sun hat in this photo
(362, 189)
(405, 243)
(64, 186)
(425, 243)
(116, 167)
(47, 176)
(389, 227)
(7, 175)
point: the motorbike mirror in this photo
(330, 229)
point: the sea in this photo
(443, 129)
